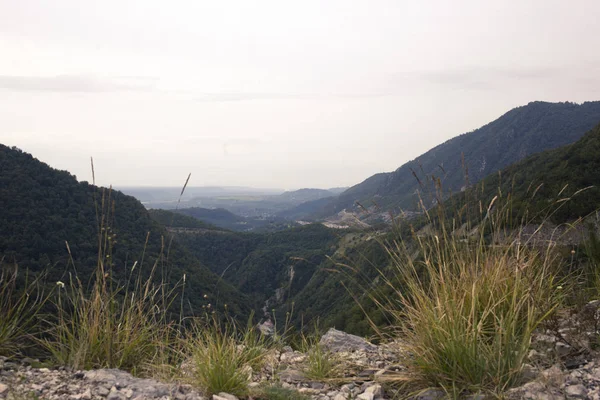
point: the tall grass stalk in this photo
(111, 324)
(467, 304)
(320, 363)
(20, 306)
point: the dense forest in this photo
(171, 219)
(227, 220)
(42, 209)
(561, 184)
(260, 264)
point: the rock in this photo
(3, 389)
(347, 388)
(340, 396)
(477, 396)
(431, 394)
(224, 396)
(102, 391)
(291, 375)
(367, 372)
(562, 349)
(591, 309)
(87, 395)
(306, 390)
(115, 395)
(267, 328)
(59, 384)
(529, 373)
(576, 391)
(376, 390)
(337, 341)
(292, 357)
(366, 396)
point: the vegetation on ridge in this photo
(43, 209)
(466, 307)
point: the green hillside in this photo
(42, 208)
(260, 264)
(539, 184)
(521, 132)
(171, 219)
(225, 219)
(553, 175)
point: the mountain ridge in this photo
(520, 132)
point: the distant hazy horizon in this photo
(276, 94)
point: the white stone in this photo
(376, 390)
(3, 388)
(366, 396)
(576, 391)
(224, 396)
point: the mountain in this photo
(168, 196)
(537, 185)
(252, 207)
(225, 219)
(517, 134)
(172, 220)
(337, 190)
(42, 208)
(305, 211)
(303, 195)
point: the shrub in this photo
(320, 364)
(468, 304)
(20, 306)
(111, 325)
(277, 392)
(224, 356)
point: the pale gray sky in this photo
(311, 93)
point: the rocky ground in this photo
(562, 366)
(21, 381)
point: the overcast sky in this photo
(287, 94)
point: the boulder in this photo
(338, 341)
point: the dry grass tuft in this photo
(467, 304)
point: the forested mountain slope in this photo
(42, 208)
(557, 186)
(563, 184)
(225, 219)
(521, 132)
(173, 220)
(266, 265)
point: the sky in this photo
(285, 94)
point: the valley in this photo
(309, 200)
(282, 256)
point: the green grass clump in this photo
(224, 356)
(111, 324)
(467, 304)
(277, 392)
(20, 306)
(320, 364)
(108, 328)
